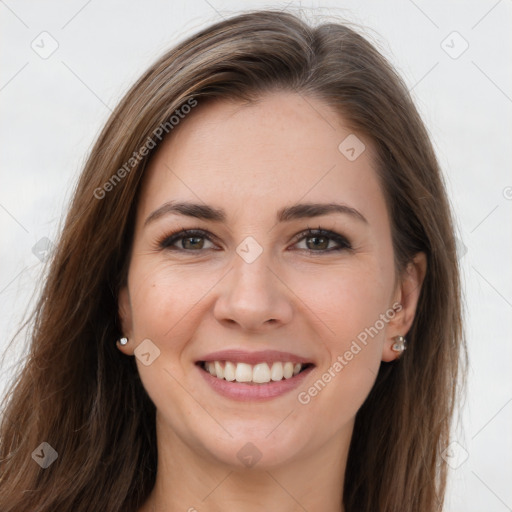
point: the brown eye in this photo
(322, 240)
(186, 240)
(317, 242)
(192, 242)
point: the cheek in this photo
(347, 300)
(163, 297)
(165, 302)
(350, 305)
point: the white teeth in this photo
(277, 371)
(259, 373)
(288, 370)
(229, 371)
(219, 371)
(211, 368)
(243, 372)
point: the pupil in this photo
(195, 239)
(318, 238)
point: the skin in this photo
(251, 160)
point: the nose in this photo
(254, 296)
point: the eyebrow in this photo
(286, 214)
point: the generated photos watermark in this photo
(342, 360)
(150, 143)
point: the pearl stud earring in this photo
(400, 344)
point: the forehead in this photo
(278, 150)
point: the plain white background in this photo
(455, 57)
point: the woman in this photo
(263, 227)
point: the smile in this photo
(260, 373)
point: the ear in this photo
(125, 316)
(406, 294)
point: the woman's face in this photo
(249, 280)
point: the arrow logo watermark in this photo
(249, 455)
(351, 147)
(249, 249)
(45, 455)
(146, 352)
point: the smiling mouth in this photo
(261, 373)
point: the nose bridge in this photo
(252, 276)
(253, 294)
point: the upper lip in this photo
(263, 356)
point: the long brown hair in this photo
(81, 395)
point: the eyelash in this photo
(167, 241)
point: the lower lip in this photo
(254, 392)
